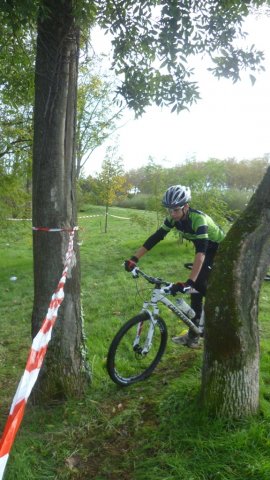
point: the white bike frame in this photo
(152, 309)
(158, 295)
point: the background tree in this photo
(111, 182)
(98, 116)
(222, 188)
(246, 174)
(17, 56)
(155, 180)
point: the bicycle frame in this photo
(158, 295)
(152, 309)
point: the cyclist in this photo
(206, 236)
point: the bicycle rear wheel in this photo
(131, 358)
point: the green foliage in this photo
(220, 188)
(246, 174)
(18, 15)
(138, 201)
(213, 173)
(153, 41)
(212, 202)
(16, 141)
(97, 115)
(111, 182)
(15, 201)
(17, 53)
(202, 175)
(237, 200)
(17, 56)
(232, 61)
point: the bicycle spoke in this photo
(136, 350)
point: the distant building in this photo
(134, 191)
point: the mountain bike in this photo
(139, 345)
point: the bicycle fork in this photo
(143, 350)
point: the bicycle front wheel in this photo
(136, 349)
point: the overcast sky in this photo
(230, 120)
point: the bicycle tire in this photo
(126, 366)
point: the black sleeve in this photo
(155, 238)
(201, 245)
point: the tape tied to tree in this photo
(47, 229)
(35, 359)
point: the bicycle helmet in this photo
(176, 196)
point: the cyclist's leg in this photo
(196, 302)
(196, 299)
(191, 339)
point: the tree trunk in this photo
(65, 371)
(230, 377)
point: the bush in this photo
(138, 202)
(236, 199)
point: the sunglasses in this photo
(175, 210)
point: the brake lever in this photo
(135, 273)
(167, 289)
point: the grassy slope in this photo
(152, 430)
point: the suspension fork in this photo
(143, 350)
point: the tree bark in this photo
(65, 371)
(230, 376)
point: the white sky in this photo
(230, 120)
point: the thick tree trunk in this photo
(230, 378)
(65, 371)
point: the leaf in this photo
(252, 78)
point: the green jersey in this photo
(197, 227)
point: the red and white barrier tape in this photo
(19, 219)
(34, 363)
(89, 216)
(84, 216)
(46, 229)
(30, 219)
(115, 216)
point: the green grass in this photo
(150, 431)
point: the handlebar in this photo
(157, 281)
(136, 272)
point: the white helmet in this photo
(176, 196)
